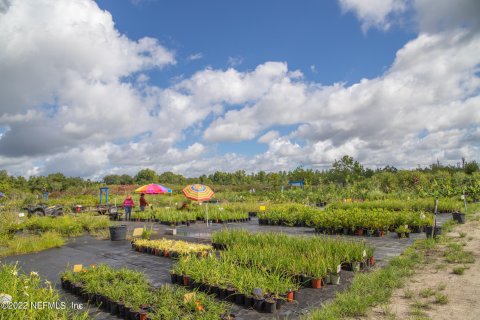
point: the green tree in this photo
(145, 176)
(347, 170)
(471, 167)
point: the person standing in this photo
(143, 202)
(128, 205)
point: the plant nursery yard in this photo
(88, 250)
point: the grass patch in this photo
(387, 311)
(448, 225)
(462, 234)
(26, 235)
(408, 293)
(440, 298)
(427, 292)
(453, 255)
(67, 225)
(101, 234)
(475, 218)
(419, 315)
(441, 286)
(459, 270)
(420, 304)
(28, 243)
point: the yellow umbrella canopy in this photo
(198, 192)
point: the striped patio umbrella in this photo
(152, 188)
(198, 192)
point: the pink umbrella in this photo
(152, 189)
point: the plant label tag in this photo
(339, 268)
(137, 232)
(187, 297)
(257, 292)
(364, 253)
(263, 208)
(21, 214)
(77, 267)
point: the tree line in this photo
(344, 172)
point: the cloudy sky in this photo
(90, 88)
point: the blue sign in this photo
(296, 183)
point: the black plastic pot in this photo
(78, 289)
(134, 314)
(108, 304)
(68, 285)
(248, 301)
(180, 280)
(222, 293)
(459, 217)
(208, 289)
(91, 298)
(306, 281)
(270, 306)
(173, 277)
(121, 309)
(239, 299)
(195, 285)
(231, 294)
(118, 233)
(280, 303)
(126, 313)
(258, 303)
(113, 307)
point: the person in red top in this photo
(143, 202)
(128, 205)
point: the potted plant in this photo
(403, 231)
(458, 216)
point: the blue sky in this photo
(315, 37)
(303, 33)
(91, 88)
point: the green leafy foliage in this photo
(132, 288)
(29, 289)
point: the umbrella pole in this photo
(206, 208)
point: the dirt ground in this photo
(435, 291)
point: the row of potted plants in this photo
(345, 221)
(170, 248)
(224, 214)
(373, 222)
(446, 205)
(305, 259)
(127, 293)
(170, 216)
(246, 286)
(22, 296)
(165, 216)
